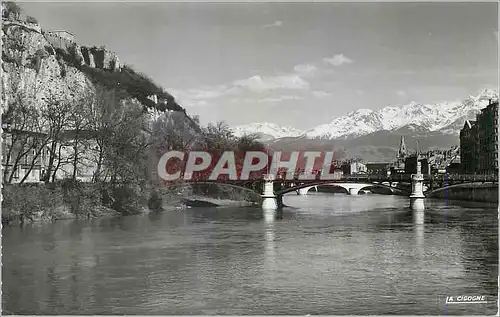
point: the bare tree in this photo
(102, 122)
(57, 117)
(219, 137)
(24, 131)
(119, 136)
(79, 133)
(126, 146)
(249, 142)
(171, 131)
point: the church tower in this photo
(402, 149)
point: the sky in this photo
(293, 64)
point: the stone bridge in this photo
(428, 185)
(350, 187)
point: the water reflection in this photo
(331, 254)
(419, 228)
(270, 247)
(269, 216)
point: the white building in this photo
(34, 162)
(358, 168)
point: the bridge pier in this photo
(417, 193)
(303, 191)
(269, 201)
(279, 201)
(354, 191)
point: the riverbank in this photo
(72, 200)
(481, 192)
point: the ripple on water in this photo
(329, 255)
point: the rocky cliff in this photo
(43, 65)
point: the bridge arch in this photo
(468, 185)
(345, 185)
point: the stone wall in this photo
(99, 58)
(32, 26)
(64, 34)
(58, 41)
(487, 192)
(111, 61)
(93, 57)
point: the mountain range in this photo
(374, 135)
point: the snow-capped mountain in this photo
(266, 131)
(443, 117)
(447, 117)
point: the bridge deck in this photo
(449, 178)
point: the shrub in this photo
(31, 19)
(11, 8)
(136, 85)
(49, 49)
(69, 57)
(82, 198)
(128, 199)
(29, 203)
(155, 201)
(41, 53)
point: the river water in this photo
(330, 254)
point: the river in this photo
(330, 254)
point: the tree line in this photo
(105, 126)
(105, 131)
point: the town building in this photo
(487, 123)
(353, 168)
(346, 168)
(399, 166)
(479, 142)
(411, 164)
(358, 168)
(443, 161)
(22, 164)
(63, 34)
(468, 147)
(378, 168)
(455, 166)
(27, 162)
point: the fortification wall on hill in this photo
(58, 41)
(32, 26)
(90, 56)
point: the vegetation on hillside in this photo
(115, 138)
(11, 10)
(135, 84)
(105, 129)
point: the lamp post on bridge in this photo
(269, 201)
(417, 193)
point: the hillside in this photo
(44, 66)
(378, 146)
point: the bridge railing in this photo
(440, 178)
(354, 178)
(464, 178)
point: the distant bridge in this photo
(397, 184)
(353, 188)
